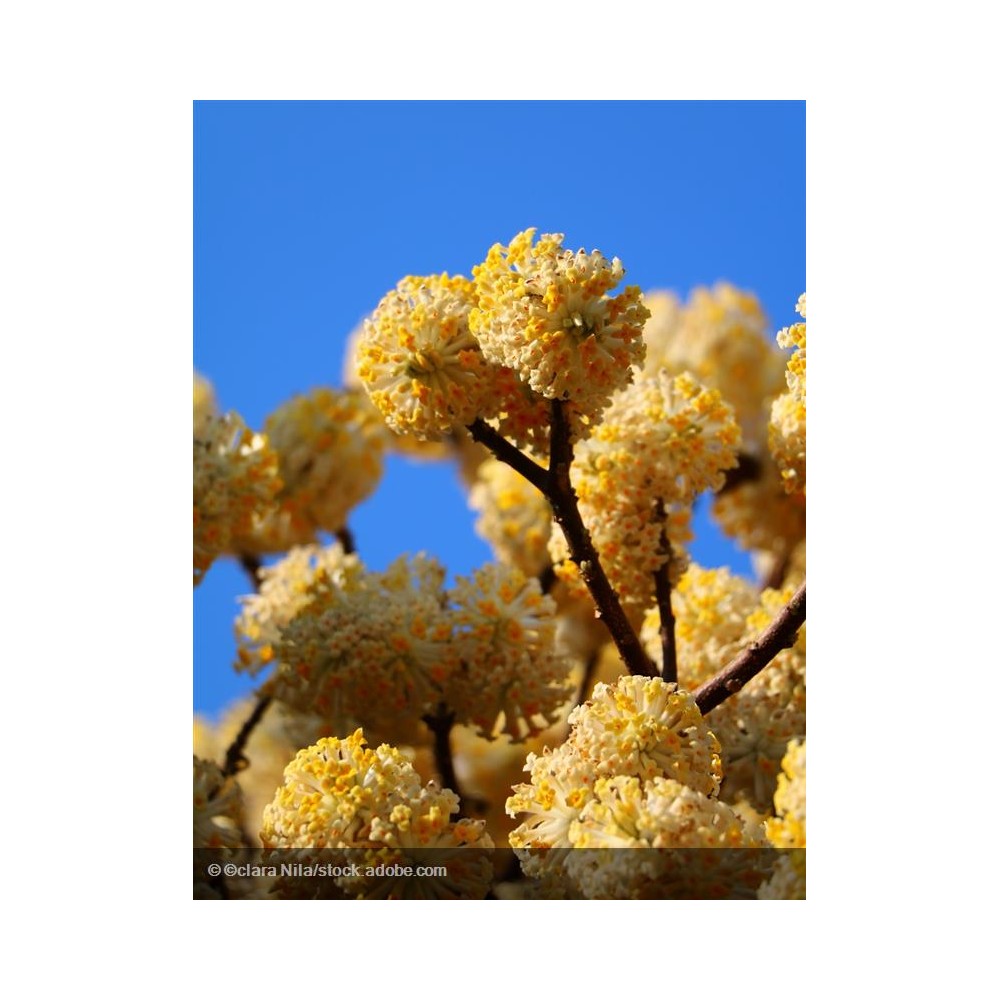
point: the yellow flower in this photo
(755, 725)
(671, 842)
(760, 514)
(205, 406)
(647, 728)
(377, 652)
(418, 360)
(543, 311)
(511, 679)
(787, 431)
(235, 483)
(329, 445)
(339, 793)
(286, 588)
(788, 828)
(514, 517)
(719, 336)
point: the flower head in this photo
(788, 828)
(787, 431)
(647, 728)
(205, 405)
(673, 842)
(544, 312)
(334, 791)
(662, 438)
(561, 785)
(285, 589)
(760, 514)
(235, 483)
(341, 793)
(511, 678)
(329, 445)
(719, 336)
(662, 442)
(418, 360)
(377, 652)
(514, 517)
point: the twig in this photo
(661, 579)
(506, 452)
(252, 565)
(547, 578)
(778, 571)
(589, 669)
(747, 469)
(346, 538)
(554, 484)
(235, 758)
(562, 497)
(440, 725)
(779, 635)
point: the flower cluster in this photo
(375, 652)
(285, 589)
(647, 728)
(340, 793)
(419, 361)
(514, 517)
(788, 828)
(329, 445)
(696, 847)
(205, 405)
(387, 649)
(544, 312)
(787, 431)
(235, 484)
(761, 515)
(662, 442)
(510, 678)
(640, 769)
(535, 325)
(719, 336)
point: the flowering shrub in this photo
(656, 707)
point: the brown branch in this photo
(747, 470)
(589, 669)
(547, 579)
(555, 486)
(562, 497)
(779, 635)
(235, 758)
(507, 453)
(440, 725)
(346, 538)
(661, 580)
(252, 566)
(778, 571)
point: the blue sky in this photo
(306, 213)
